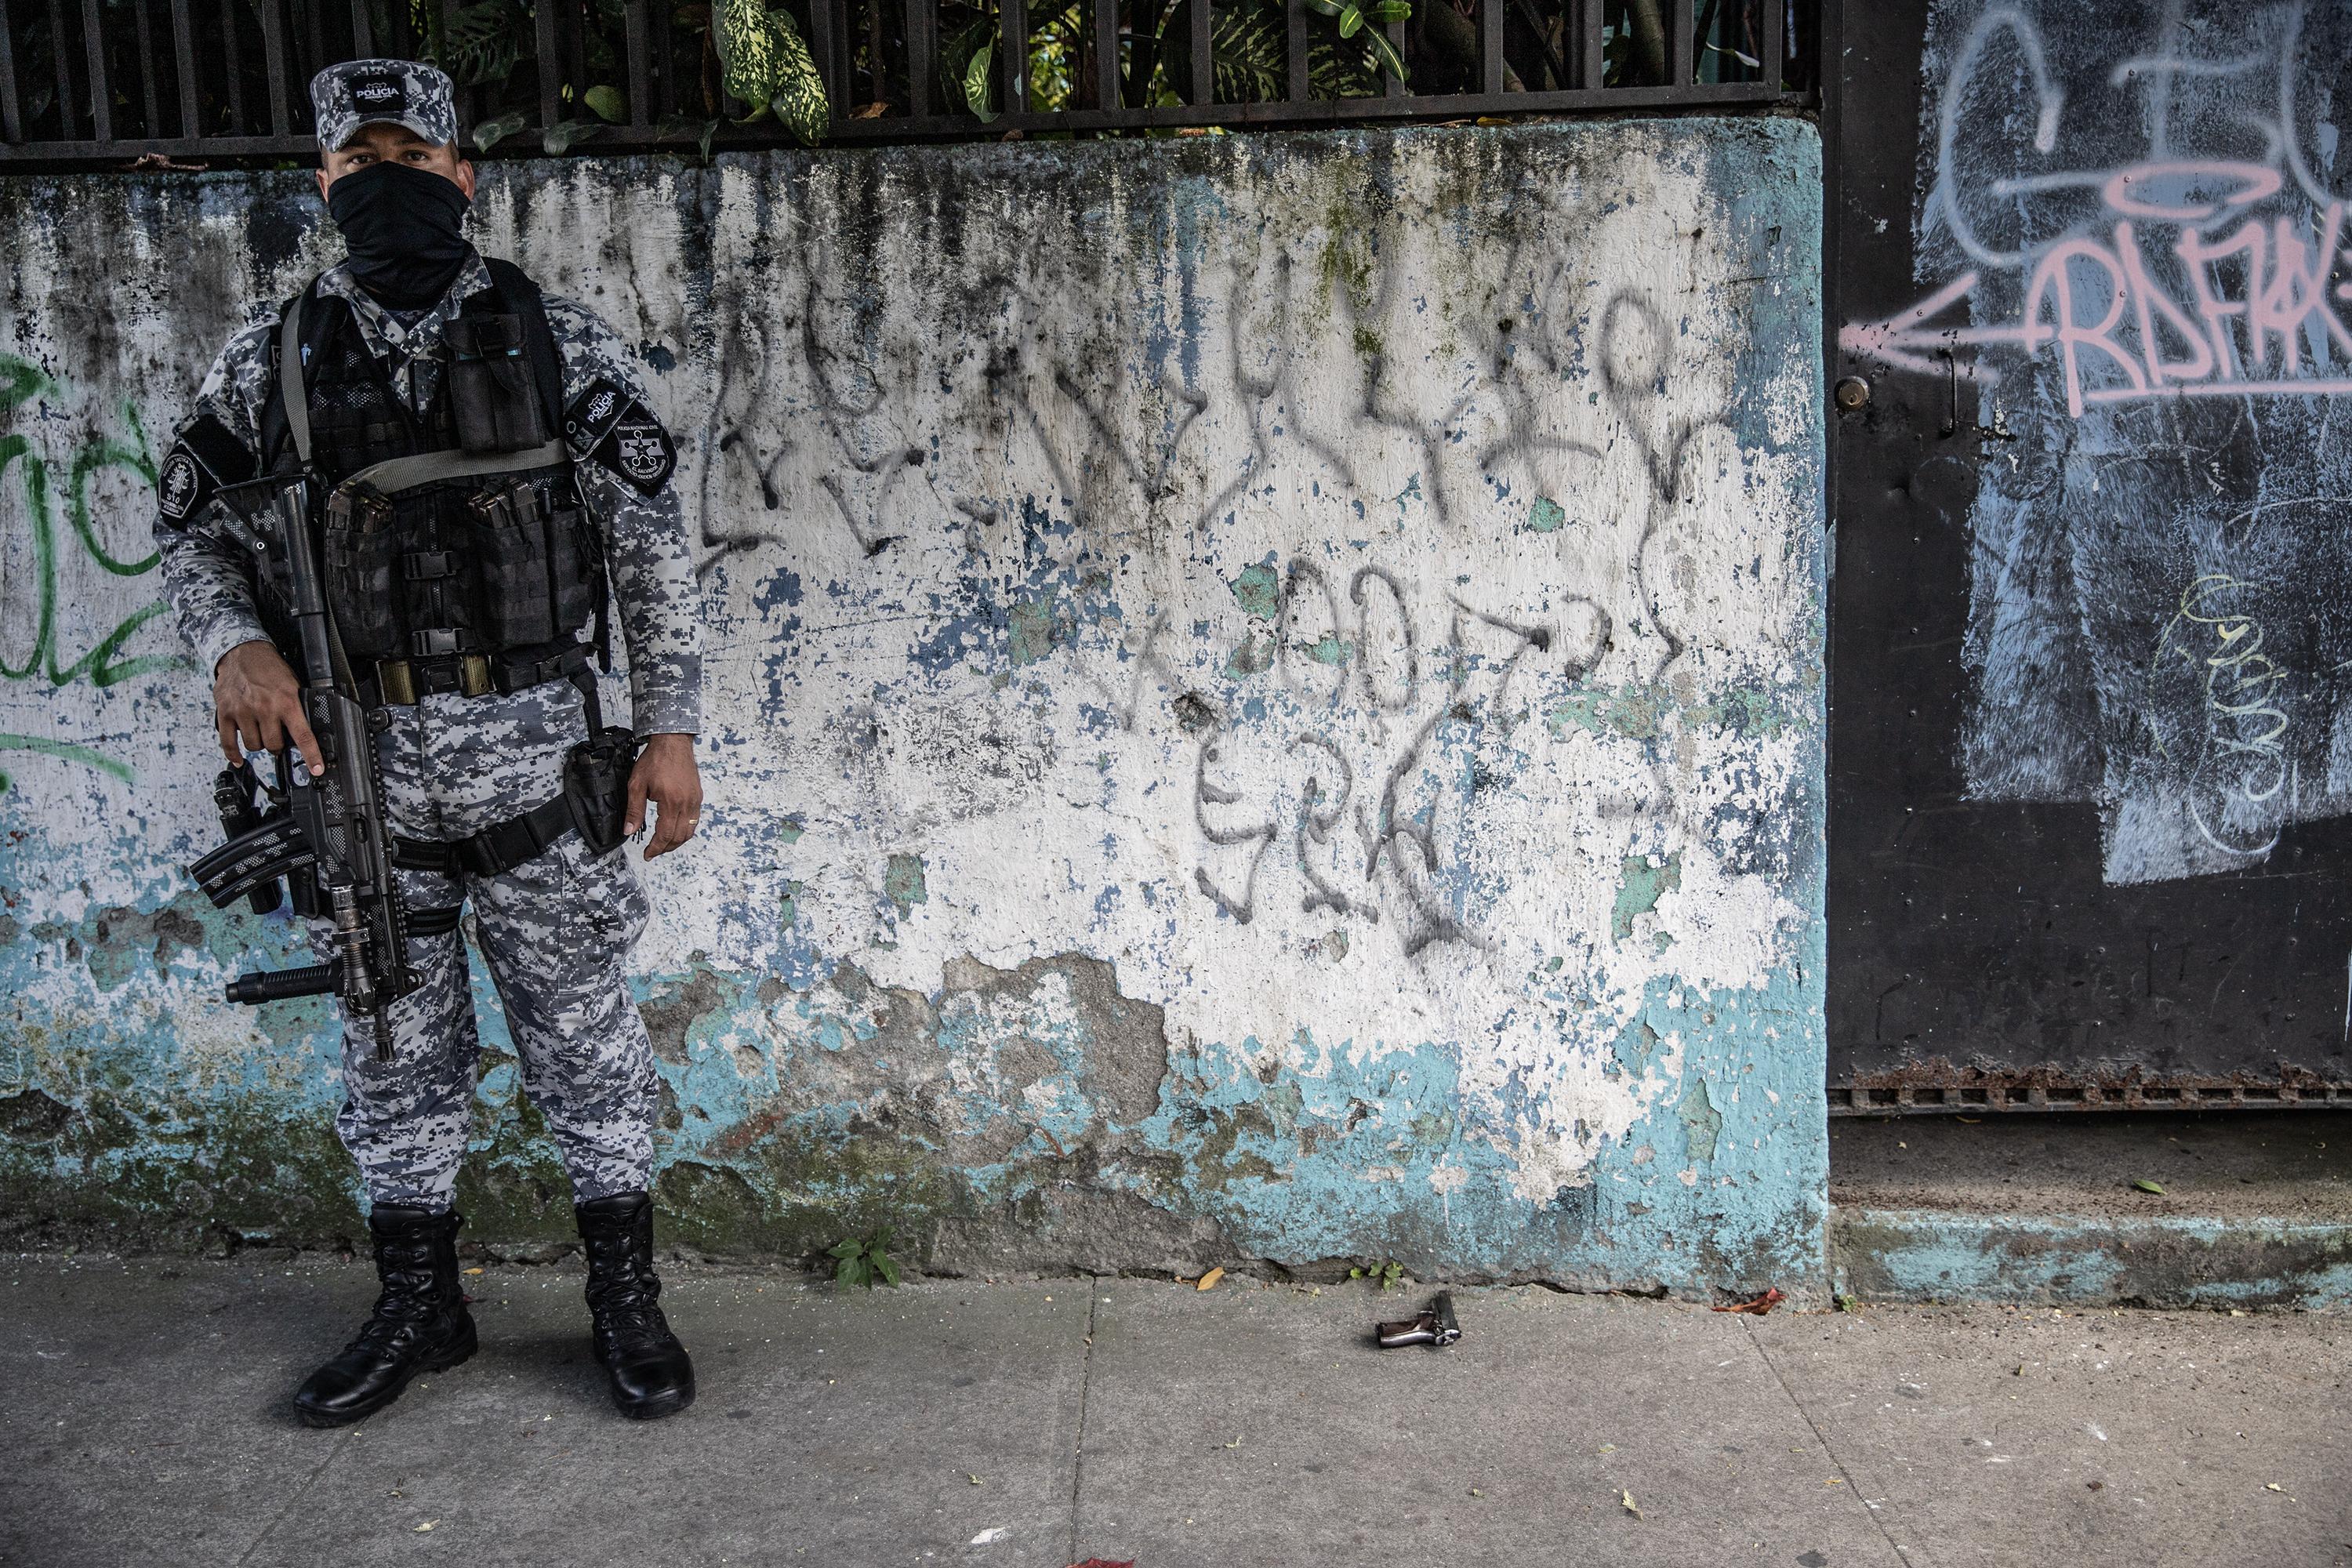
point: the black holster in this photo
(596, 787)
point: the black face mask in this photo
(407, 231)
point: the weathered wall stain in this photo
(1199, 634)
(2130, 232)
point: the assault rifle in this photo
(324, 832)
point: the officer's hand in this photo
(665, 775)
(257, 704)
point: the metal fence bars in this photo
(85, 82)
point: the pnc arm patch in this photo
(605, 424)
(203, 458)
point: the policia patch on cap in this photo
(378, 95)
(608, 424)
(203, 458)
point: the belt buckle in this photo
(474, 675)
(397, 682)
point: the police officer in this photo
(472, 609)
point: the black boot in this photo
(650, 1373)
(420, 1323)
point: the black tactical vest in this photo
(469, 584)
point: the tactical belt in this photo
(495, 850)
(402, 682)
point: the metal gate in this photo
(2091, 642)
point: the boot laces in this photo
(636, 1325)
(627, 1303)
(409, 1299)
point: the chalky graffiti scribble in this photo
(2132, 242)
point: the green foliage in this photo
(1252, 54)
(702, 130)
(966, 80)
(1346, 50)
(558, 138)
(798, 101)
(481, 42)
(754, 51)
(767, 64)
(1055, 49)
(1356, 22)
(490, 132)
(1389, 1273)
(861, 1262)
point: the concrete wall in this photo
(1264, 704)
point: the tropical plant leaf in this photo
(1251, 48)
(558, 138)
(490, 132)
(977, 83)
(768, 65)
(1386, 51)
(683, 124)
(956, 52)
(1250, 45)
(606, 103)
(747, 51)
(850, 1248)
(886, 1268)
(798, 97)
(480, 42)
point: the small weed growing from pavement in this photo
(857, 1262)
(1389, 1273)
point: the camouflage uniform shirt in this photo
(210, 577)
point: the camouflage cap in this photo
(363, 92)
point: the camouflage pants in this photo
(553, 930)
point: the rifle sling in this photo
(395, 475)
(290, 390)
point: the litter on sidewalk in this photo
(1754, 1306)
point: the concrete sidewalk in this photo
(144, 1422)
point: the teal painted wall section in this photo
(1918, 1255)
(1265, 708)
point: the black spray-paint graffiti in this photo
(2134, 248)
(1364, 810)
(1389, 687)
(24, 387)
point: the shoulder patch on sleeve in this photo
(635, 446)
(203, 458)
(594, 413)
